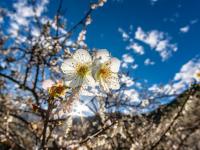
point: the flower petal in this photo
(102, 55)
(77, 81)
(104, 85)
(68, 67)
(95, 69)
(89, 81)
(114, 65)
(113, 81)
(82, 56)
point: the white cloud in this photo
(153, 1)
(124, 65)
(182, 80)
(119, 1)
(148, 62)
(22, 9)
(136, 48)
(139, 34)
(125, 36)
(127, 58)
(186, 75)
(159, 41)
(14, 28)
(184, 29)
(41, 7)
(194, 21)
(35, 32)
(188, 71)
(135, 66)
(132, 95)
(126, 80)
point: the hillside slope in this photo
(174, 126)
(171, 127)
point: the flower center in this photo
(198, 74)
(56, 90)
(59, 89)
(104, 73)
(82, 70)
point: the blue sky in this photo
(164, 15)
(156, 40)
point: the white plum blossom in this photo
(105, 70)
(101, 55)
(78, 69)
(82, 70)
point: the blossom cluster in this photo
(84, 69)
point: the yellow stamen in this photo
(103, 72)
(82, 70)
(57, 90)
(198, 74)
